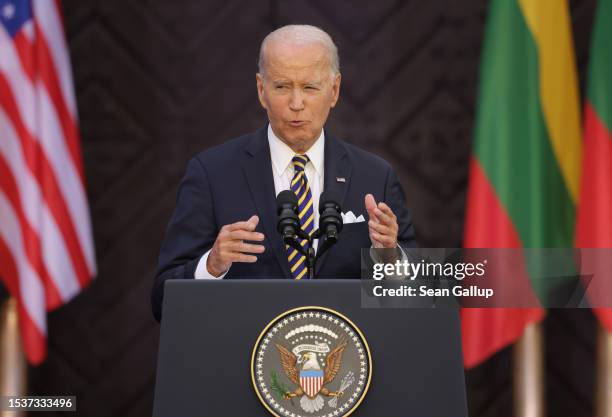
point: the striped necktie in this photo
(301, 188)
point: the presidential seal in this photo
(311, 362)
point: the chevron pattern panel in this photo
(158, 81)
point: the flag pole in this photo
(528, 382)
(604, 373)
(13, 375)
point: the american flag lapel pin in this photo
(340, 179)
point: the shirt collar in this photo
(281, 154)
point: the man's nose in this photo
(296, 102)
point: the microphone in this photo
(288, 221)
(330, 220)
(286, 208)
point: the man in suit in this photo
(224, 224)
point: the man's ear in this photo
(260, 90)
(336, 90)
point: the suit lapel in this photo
(258, 172)
(337, 177)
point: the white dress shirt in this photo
(282, 171)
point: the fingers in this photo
(370, 203)
(384, 214)
(241, 257)
(377, 227)
(382, 206)
(232, 245)
(375, 243)
(386, 241)
(380, 212)
(232, 240)
(248, 225)
(247, 247)
(245, 235)
(382, 224)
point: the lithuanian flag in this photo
(594, 228)
(524, 171)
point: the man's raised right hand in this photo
(230, 246)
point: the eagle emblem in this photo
(310, 378)
(311, 362)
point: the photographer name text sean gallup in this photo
(424, 291)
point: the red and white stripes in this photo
(311, 385)
(46, 247)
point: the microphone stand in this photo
(324, 244)
(293, 241)
(311, 258)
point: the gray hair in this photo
(302, 35)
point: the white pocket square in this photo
(349, 217)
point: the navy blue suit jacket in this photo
(233, 181)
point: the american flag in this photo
(46, 246)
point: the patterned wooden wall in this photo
(157, 81)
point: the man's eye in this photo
(280, 87)
(310, 87)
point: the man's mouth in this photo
(297, 123)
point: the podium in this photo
(209, 330)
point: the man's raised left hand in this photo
(382, 224)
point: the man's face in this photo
(297, 91)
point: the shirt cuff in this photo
(376, 258)
(201, 271)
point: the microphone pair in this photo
(330, 219)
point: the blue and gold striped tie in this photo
(301, 188)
